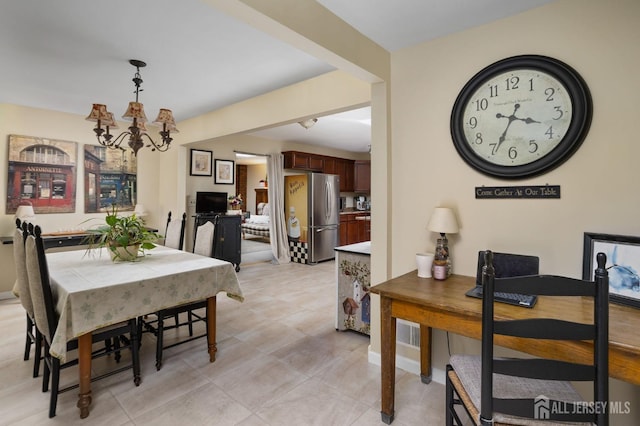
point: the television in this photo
(211, 202)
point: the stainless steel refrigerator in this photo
(312, 210)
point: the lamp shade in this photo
(141, 127)
(98, 112)
(443, 221)
(165, 116)
(110, 121)
(140, 210)
(135, 110)
(25, 212)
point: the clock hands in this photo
(511, 118)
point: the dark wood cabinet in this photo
(321, 163)
(330, 166)
(362, 176)
(354, 230)
(344, 168)
(303, 161)
(262, 196)
(344, 236)
(226, 238)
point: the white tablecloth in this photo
(92, 292)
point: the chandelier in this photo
(137, 131)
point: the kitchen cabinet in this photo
(330, 166)
(353, 307)
(362, 176)
(303, 161)
(354, 227)
(342, 167)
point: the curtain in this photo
(278, 231)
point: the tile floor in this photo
(280, 362)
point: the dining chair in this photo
(173, 238)
(507, 391)
(174, 232)
(33, 336)
(124, 335)
(203, 246)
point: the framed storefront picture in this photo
(225, 171)
(42, 174)
(111, 179)
(201, 162)
(623, 265)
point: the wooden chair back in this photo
(174, 233)
(39, 284)
(204, 239)
(595, 330)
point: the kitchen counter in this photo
(352, 210)
(353, 281)
(357, 248)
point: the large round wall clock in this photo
(521, 116)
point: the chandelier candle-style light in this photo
(135, 113)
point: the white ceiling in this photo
(64, 55)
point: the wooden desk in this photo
(91, 291)
(443, 305)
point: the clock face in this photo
(521, 116)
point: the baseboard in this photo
(408, 365)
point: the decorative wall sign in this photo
(540, 191)
(42, 172)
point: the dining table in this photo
(91, 291)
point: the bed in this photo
(257, 224)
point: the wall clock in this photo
(521, 116)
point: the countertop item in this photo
(351, 210)
(357, 248)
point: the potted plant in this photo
(124, 236)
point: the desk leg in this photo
(387, 359)
(84, 369)
(211, 328)
(425, 354)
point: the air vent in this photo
(408, 333)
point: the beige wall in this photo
(415, 166)
(598, 184)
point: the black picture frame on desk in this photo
(623, 265)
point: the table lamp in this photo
(25, 212)
(140, 211)
(443, 221)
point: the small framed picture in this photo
(201, 162)
(623, 265)
(225, 171)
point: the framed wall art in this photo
(201, 162)
(623, 265)
(42, 173)
(225, 171)
(110, 179)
